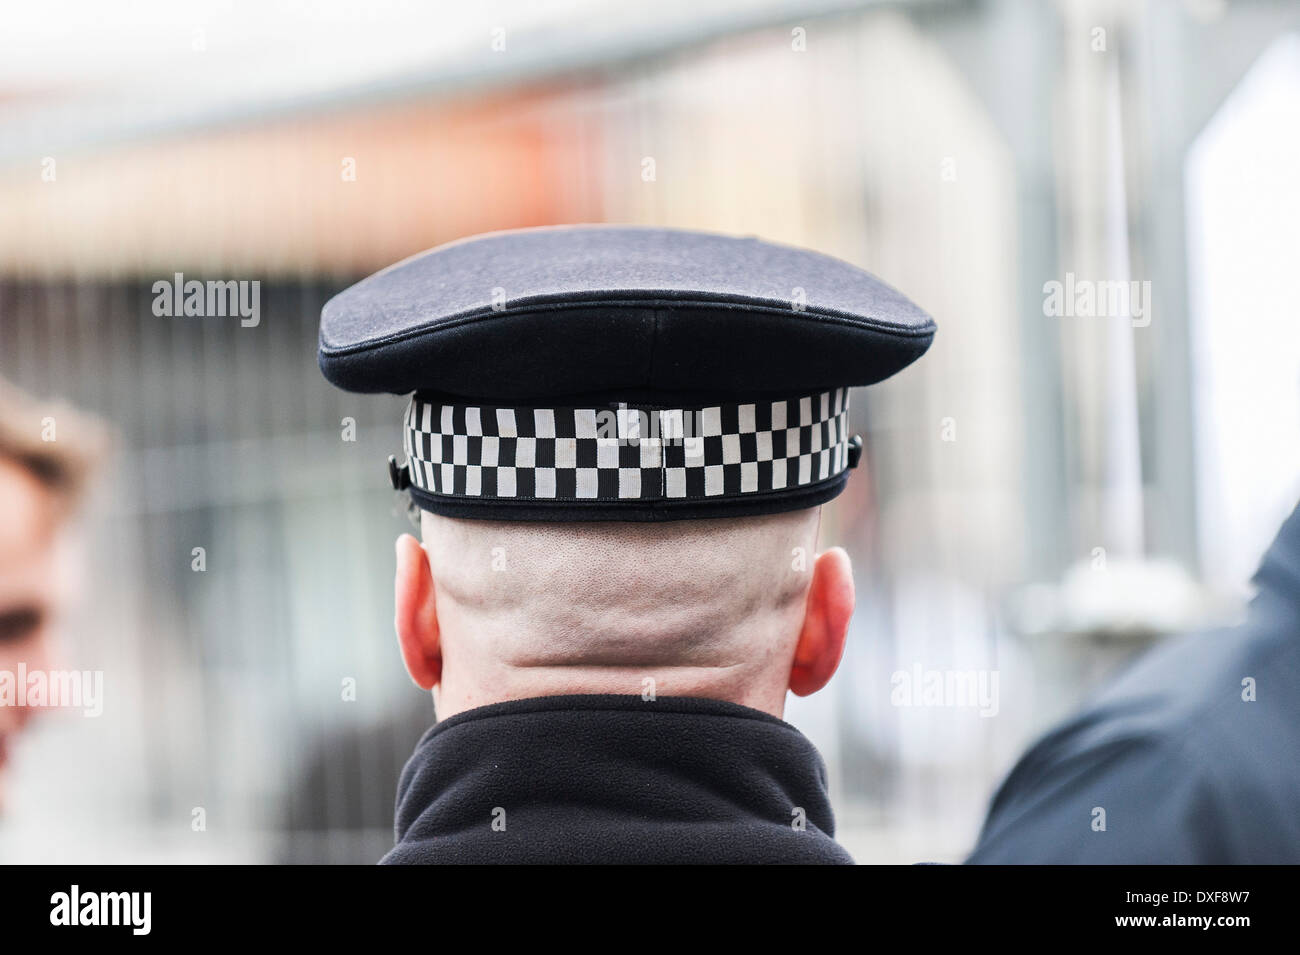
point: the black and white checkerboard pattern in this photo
(618, 452)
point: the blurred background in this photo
(1050, 490)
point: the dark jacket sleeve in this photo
(1072, 799)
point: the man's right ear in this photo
(416, 617)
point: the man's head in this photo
(45, 455)
(567, 384)
(738, 609)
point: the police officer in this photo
(1191, 756)
(618, 440)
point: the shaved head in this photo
(711, 608)
(607, 594)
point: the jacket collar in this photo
(594, 779)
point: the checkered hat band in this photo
(623, 453)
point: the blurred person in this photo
(46, 453)
(1191, 756)
(619, 440)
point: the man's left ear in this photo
(827, 612)
(416, 616)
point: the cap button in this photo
(855, 450)
(400, 475)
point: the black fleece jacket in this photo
(614, 779)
